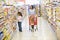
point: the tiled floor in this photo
(44, 32)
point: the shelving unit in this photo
(54, 19)
(58, 15)
(8, 22)
(50, 10)
(58, 21)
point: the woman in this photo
(20, 21)
(32, 15)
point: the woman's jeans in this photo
(20, 27)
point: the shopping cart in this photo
(33, 23)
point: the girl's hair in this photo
(19, 13)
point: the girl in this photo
(20, 21)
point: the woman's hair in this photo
(19, 13)
(32, 6)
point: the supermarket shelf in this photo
(50, 12)
(7, 22)
(53, 25)
(58, 31)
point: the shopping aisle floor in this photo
(44, 32)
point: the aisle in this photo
(44, 32)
